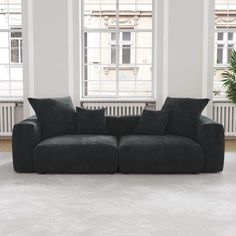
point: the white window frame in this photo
(225, 48)
(20, 44)
(123, 43)
(10, 30)
(91, 30)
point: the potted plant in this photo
(229, 79)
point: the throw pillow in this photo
(152, 122)
(184, 112)
(90, 121)
(56, 116)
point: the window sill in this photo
(94, 99)
(19, 100)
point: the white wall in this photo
(184, 48)
(187, 31)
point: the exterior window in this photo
(11, 70)
(125, 48)
(220, 54)
(225, 46)
(16, 47)
(117, 49)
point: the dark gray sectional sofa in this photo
(119, 151)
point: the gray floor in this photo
(100, 205)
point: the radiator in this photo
(7, 119)
(119, 108)
(225, 114)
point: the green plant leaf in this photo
(229, 79)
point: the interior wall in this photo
(185, 48)
(183, 61)
(50, 48)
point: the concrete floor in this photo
(100, 205)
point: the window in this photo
(16, 47)
(225, 40)
(225, 46)
(117, 49)
(11, 71)
(125, 48)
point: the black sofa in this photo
(119, 151)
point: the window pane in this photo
(144, 72)
(143, 39)
(4, 85)
(220, 54)
(95, 15)
(126, 54)
(15, 15)
(230, 36)
(16, 73)
(144, 86)
(220, 36)
(106, 40)
(4, 72)
(15, 55)
(144, 55)
(113, 54)
(126, 36)
(4, 39)
(16, 93)
(93, 72)
(4, 93)
(92, 40)
(127, 86)
(108, 73)
(92, 55)
(108, 86)
(126, 74)
(230, 49)
(113, 36)
(16, 34)
(4, 16)
(4, 56)
(16, 85)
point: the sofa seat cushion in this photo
(77, 154)
(159, 154)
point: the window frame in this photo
(225, 46)
(19, 47)
(13, 29)
(123, 43)
(131, 66)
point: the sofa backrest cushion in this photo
(90, 121)
(124, 125)
(152, 122)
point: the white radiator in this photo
(7, 118)
(224, 113)
(120, 108)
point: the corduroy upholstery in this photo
(121, 149)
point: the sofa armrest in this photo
(210, 135)
(26, 135)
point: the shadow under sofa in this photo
(121, 150)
